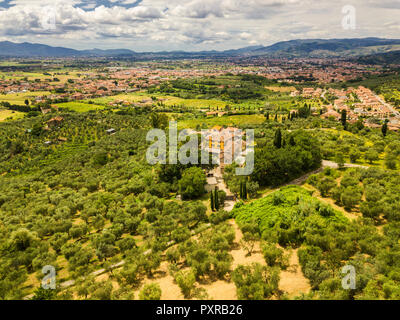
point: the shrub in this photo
(255, 282)
(186, 280)
(150, 292)
(274, 256)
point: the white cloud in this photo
(190, 25)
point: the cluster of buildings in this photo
(362, 103)
(96, 84)
(309, 93)
(304, 69)
(113, 80)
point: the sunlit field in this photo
(241, 120)
(144, 98)
(19, 98)
(80, 106)
(5, 114)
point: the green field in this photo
(141, 97)
(30, 76)
(19, 98)
(240, 120)
(80, 106)
(5, 114)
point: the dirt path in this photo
(292, 280)
(229, 204)
(334, 165)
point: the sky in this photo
(192, 25)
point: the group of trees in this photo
(364, 145)
(247, 87)
(241, 187)
(85, 199)
(371, 190)
(21, 108)
(217, 199)
(88, 200)
(279, 158)
(327, 240)
(256, 282)
(283, 162)
(191, 185)
(207, 257)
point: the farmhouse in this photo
(55, 121)
(331, 114)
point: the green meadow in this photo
(6, 114)
(80, 106)
(168, 101)
(19, 98)
(237, 120)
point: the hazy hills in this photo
(381, 58)
(29, 50)
(329, 48)
(26, 49)
(290, 49)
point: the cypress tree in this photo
(216, 200)
(245, 191)
(385, 128)
(291, 141)
(212, 201)
(343, 119)
(241, 190)
(278, 139)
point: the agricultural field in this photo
(80, 106)
(281, 89)
(19, 98)
(162, 100)
(232, 121)
(9, 114)
(62, 77)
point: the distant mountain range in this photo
(26, 49)
(289, 49)
(330, 48)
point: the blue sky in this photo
(152, 25)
